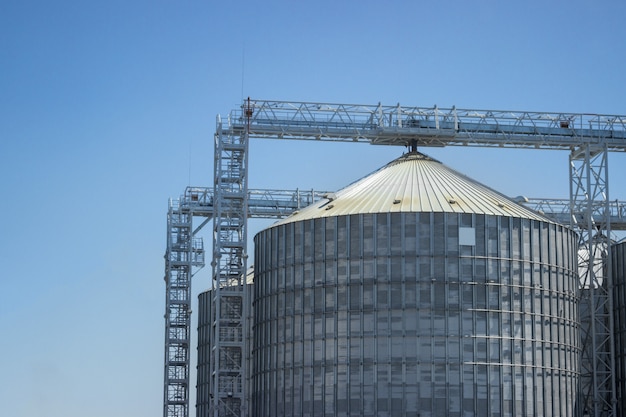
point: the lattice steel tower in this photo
(229, 271)
(184, 256)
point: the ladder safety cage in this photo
(229, 265)
(183, 258)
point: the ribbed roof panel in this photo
(415, 183)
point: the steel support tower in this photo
(589, 194)
(588, 137)
(183, 257)
(229, 264)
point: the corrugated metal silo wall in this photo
(415, 314)
(205, 344)
(206, 347)
(618, 269)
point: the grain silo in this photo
(206, 352)
(415, 291)
(205, 344)
(618, 270)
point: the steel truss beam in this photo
(277, 204)
(262, 203)
(559, 210)
(428, 126)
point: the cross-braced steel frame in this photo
(589, 138)
(183, 257)
(589, 193)
(227, 365)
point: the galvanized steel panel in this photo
(415, 314)
(415, 183)
(618, 268)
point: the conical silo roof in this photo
(415, 182)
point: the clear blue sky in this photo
(107, 109)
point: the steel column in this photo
(229, 272)
(184, 256)
(590, 215)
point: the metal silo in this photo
(415, 291)
(618, 269)
(207, 352)
(205, 345)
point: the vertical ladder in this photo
(183, 257)
(229, 273)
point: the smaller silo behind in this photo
(206, 349)
(618, 271)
